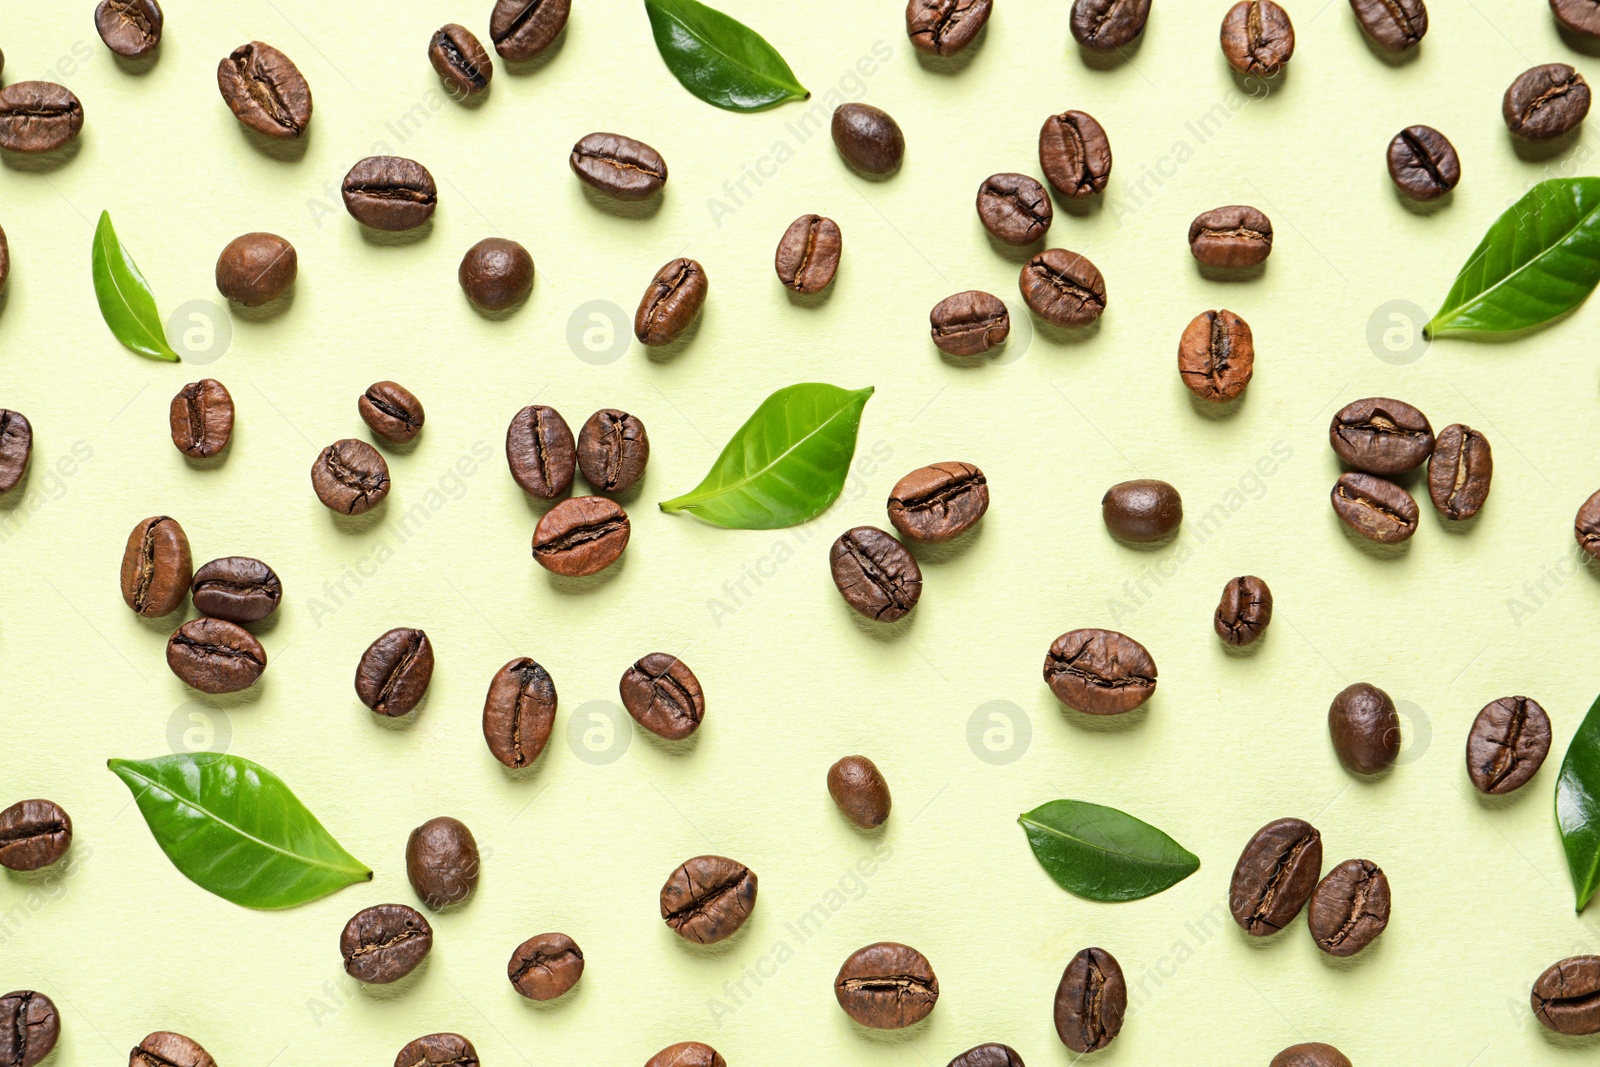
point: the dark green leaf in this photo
(1101, 853)
(719, 59)
(1578, 807)
(126, 302)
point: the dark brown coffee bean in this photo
(5, 255)
(939, 502)
(1566, 997)
(442, 862)
(166, 1049)
(859, 789)
(1275, 875)
(945, 27)
(1143, 510)
(130, 28)
(887, 986)
(990, 1055)
(460, 60)
(350, 477)
(1099, 672)
(438, 1050)
(875, 574)
(389, 193)
(618, 166)
(265, 91)
(237, 589)
(1231, 238)
(1217, 356)
(1459, 472)
(16, 448)
(519, 712)
(1014, 208)
(808, 254)
(393, 674)
(1244, 612)
(256, 269)
(1546, 102)
(156, 567)
(613, 450)
(1090, 1001)
(581, 536)
(708, 898)
(496, 274)
(1075, 154)
(1063, 288)
(1375, 508)
(521, 29)
(1392, 25)
(545, 966)
(671, 303)
(541, 452)
(1310, 1054)
(1423, 162)
(383, 944)
(663, 696)
(215, 656)
(1107, 25)
(33, 835)
(868, 139)
(969, 323)
(29, 1027)
(1381, 436)
(1587, 526)
(38, 117)
(201, 418)
(391, 411)
(1577, 16)
(687, 1054)
(1349, 908)
(1257, 37)
(1509, 741)
(1365, 728)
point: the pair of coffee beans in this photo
(30, 1026)
(671, 303)
(38, 117)
(618, 167)
(1566, 997)
(130, 28)
(34, 834)
(521, 29)
(1063, 288)
(350, 477)
(886, 986)
(393, 674)
(166, 1049)
(545, 967)
(1142, 511)
(969, 323)
(860, 790)
(1231, 238)
(808, 254)
(708, 898)
(201, 419)
(1257, 38)
(1074, 154)
(496, 274)
(392, 412)
(438, 1050)
(1107, 25)
(1099, 672)
(1507, 745)
(1217, 356)
(460, 60)
(442, 862)
(384, 943)
(1244, 612)
(16, 448)
(1392, 25)
(1091, 1001)
(868, 139)
(1279, 874)
(1423, 163)
(945, 27)
(687, 1054)
(256, 269)
(1546, 102)
(389, 193)
(265, 91)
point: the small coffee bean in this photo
(1566, 997)
(671, 303)
(1063, 288)
(38, 117)
(1545, 102)
(663, 696)
(521, 29)
(460, 60)
(1423, 162)
(496, 274)
(990, 1055)
(393, 674)
(687, 1054)
(808, 254)
(156, 567)
(1244, 612)
(1381, 436)
(945, 27)
(265, 91)
(256, 269)
(1107, 25)
(201, 418)
(1217, 356)
(581, 536)
(519, 712)
(350, 477)
(939, 503)
(1014, 208)
(33, 835)
(1587, 527)
(1365, 728)
(166, 1049)
(1459, 472)
(1075, 154)
(29, 1027)
(859, 789)
(1275, 876)
(442, 862)
(541, 452)
(237, 589)
(887, 986)
(5, 258)
(1577, 16)
(16, 448)
(438, 1050)
(391, 411)
(1231, 238)
(1143, 510)
(215, 656)
(545, 966)
(383, 944)
(1257, 37)
(1349, 908)
(1091, 1001)
(1099, 672)
(875, 574)
(1392, 25)
(1375, 508)
(1310, 1054)
(969, 323)
(389, 193)
(613, 450)
(130, 28)
(708, 898)
(868, 139)
(1508, 744)
(618, 166)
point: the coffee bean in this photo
(1566, 997)
(16, 448)
(581, 536)
(438, 1050)
(1275, 876)
(1349, 908)
(1244, 612)
(350, 477)
(875, 574)
(1231, 238)
(1423, 162)
(1217, 356)
(215, 656)
(1381, 436)
(130, 28)
(1509, 741)
(868, 139)
(201, 418)
(1545, 102)
(383, 944)
(389, 193)
(990, 1055)
(29, 1027)
(156, 567)
(496, 274)
(618, 166)
(265, 91)
(1014, 208)
(1375, 508)
(1107, 25)
(664, 696)
(613, 450)
(1257, 37)
(1310, 1054)
(969, 323)
(1063, 288)
(236, 588)
(1075, 154)
(887, 986)
(38, 117)
(521, 29)
(545, 966)
(1392, 25)
(939, 503)
(1587, 527)
(858, 788)
(256, 269)
(687, 1054)
(541, 452)
(460, 60)
(519, 712)
(945, 27)
(5, 257)
(1459, 472)
(671, 303)
(1099, 672)
(166, 1049)
(808, 254)
(1577, 16)
(708, 898)
(391, 411)
(1365, 728)
(442, 862)
(393, 674)
(1090, 1001)
(1143, 510)
(33, 835)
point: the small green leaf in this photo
(785, 465)
(126, 302)
(1100, 853)
(232, 827)
(1578, 807)
(720, 59)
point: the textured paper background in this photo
(1482, 902)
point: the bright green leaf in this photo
(126, 302)
(1103, 854)
(719, 59)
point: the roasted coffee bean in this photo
(1107, 25)
(1063, 288)
(38, 117)
(1349, 908)
(663, 696)
(1075, 154)
(1509, 741)
(868, 139)
(671, 303)
(545, 966)
(618, 166)
(1392, 25)
(1217, 356)
(1577, 16)
(391, 411)
(808, 254)
(1099, 672)
(687, 1054)
(519, 712)
(236, 589)
(887, 986)
(442, 862)
(708, 898)
(33, 835)
(1275, 876)
(1231, 238)
(383, 944)
(130, 28)
(16, 448)
(945, 27)
(969, 323)
(990, 1055)
(613, 450)
(29, 1027)
(1090, 1001)
(858, 787)
(1381, 436)
(438, 1050)
(521, 29)
(939, 502)
(5, 257)
(1566, 998)
(350, 477)
(1244, 612)
(1310, 1054)
(393, 674)
(1375, 508)
(460, 60)
(1545, 102)
(1587, 527)
(256, 269)
(496, 274)
(156, 567)
(581, 536)
(166, 1049)
(1422, 161)
(1365, 728)
(1014, 208)
(1257, 37)
(1143, 510)
(215, 656)
(201, 418)
(265, 91)
(389, 193)
(875, 574)
(541, 452)
(1459, 471)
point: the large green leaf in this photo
(786, 464)
(126, 302)
(1539, 260)
(720, 59)
(232, 827)
(1101, 853)
(1578, 807)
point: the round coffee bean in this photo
(708, 898)
(201, 418)
(1231, 238)
(1063, 288)
(1143, 510)
(945, 27)
(38, 117)
(1349, 908)
(29, 1028)
(156, 567)
(130, 28)
(990, 1055)
(237, 589)
(1275, 876)
(868, 139)
(1217, 356)
(969, 323)
(618, 166)
(1375, 508)
(16, 448)
(581, 536)
(1014, 208)
(663, 696)
(887, 986)
(1459, 472)
(265, 91)
(939, 503)
(256, 268)
(33, 835)
(545, 966)
(1244, 612)
(1099, 672)
(1381, 436)
(391, 411)
(496, 274)
(519, 712)
(460, 60)
(394, 672)
(541, 452)
(1257, 37)
(442, 862)
(1090, 1001)
(1310, 1054)
(1587, 527)
(1566, 997)
(521, 29)
(1392, 25)
(875, 574)
(215, 656)
(808, 254)
(1423, 162)
(613, 450)
(671, 303)
(1509, 741)
(1107, 25)
(859, 789)
(1577, 16)
(166, 1049)
(687, 1054)
(383, 944)
(350, 477)
(1075, 154)
(1365, 728)
(438, 1050)
(389, 193)
(1546, 102)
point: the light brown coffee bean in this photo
(156, 567)
(201, 419)
(859, 789)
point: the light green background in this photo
(794, 680)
